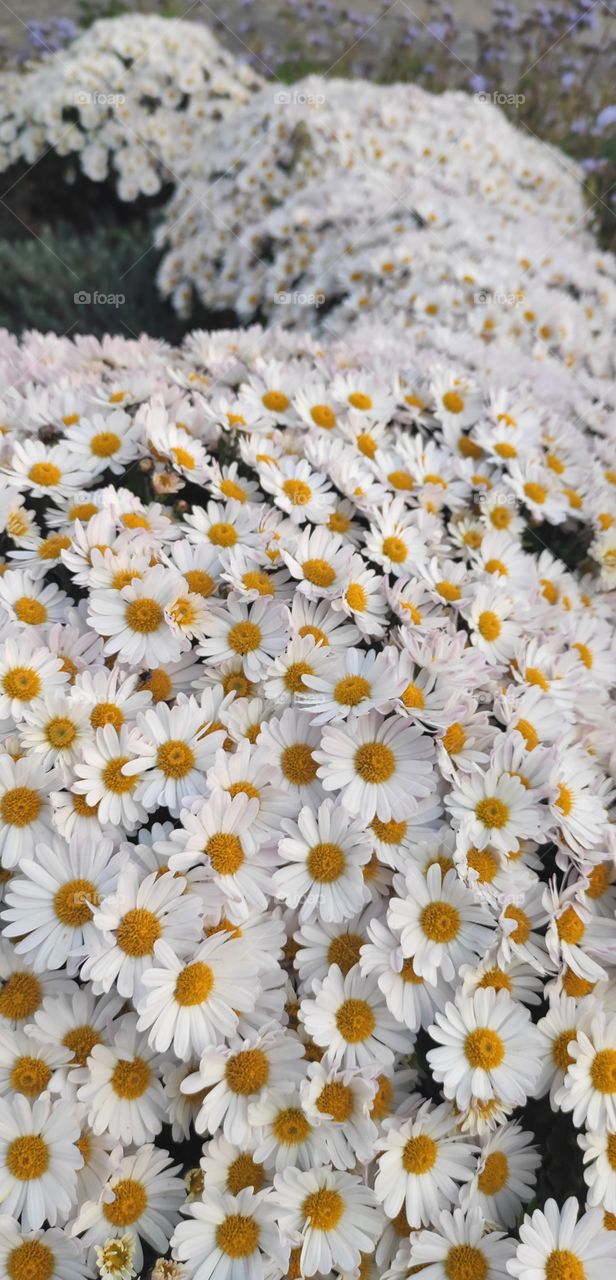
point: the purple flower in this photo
(606, 117)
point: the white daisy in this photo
(348, 1017)
(505, 1176)
(39, 1255)
(39, 1159)
(380, 767)
(133, 620)
(488, 1049)
(25, 808)
(230, 1237)
(238, 1074)
(460, 1249)
(121, 1088)
(332, 1214)
(142, 1199)
(102, 781)
(555, 1244)
(440, 923)
(254, 633)
(422, 1164)
(324, 853)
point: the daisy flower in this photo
(168, 749)
(599, 1147)
(133, 620)
(461, 1249)
(102, 781)
(348, 1017)
(440, 923)
(230, 1236)
(505, 1177)
(254, 633)
(488, 1049)
(32, 1255)
(25, 808)
(324, 853)
(289, 742)
(339, 1104)
(49, 907)
(131, 920)
(220, 834)
(332, 1214)
(422, 1164)
(380, 767)
(28, 602)
(353, 684)
(589, 1085)
(557, 1243)
(195, 1005)
(286, 1134)
(120, 1086)
(409, 997)
(239, 1074)
(495, 809)
(27, 1067)
(76, 1021)
(26, 671)
(55, 728)
(39, 1159)
(320, 562)
(142, 1199)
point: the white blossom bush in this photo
(306, 808)
(334, 199)
(128, 100)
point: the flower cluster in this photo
(336, 199)
(131, 95)
(306, 775)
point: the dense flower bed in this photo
(128, 100)
(305, 789)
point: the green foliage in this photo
(40, 278)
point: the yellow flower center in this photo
(355, 1021)
(484, 863)
(599, 880)
(391, 832)
(496, 979)
(71, 902)
(20, 806)
(255, 580)
(564, 800)
(244, 1172)
(453, 402)
(603, 1071)
(466, 1262)
(276, 401)
(575, 986)
(536, 492)
(244, 637)
(199, 582)
(30, 611)
(560, 1048)
(413, 697)
(175, 758)
(359, 400)
(419, 1154)
(298, 492)
(22, 683)
(356, 597)
(247, 1072)
(194, 984)
(45, 473)
(298, 764)
(30, 1076)
(130, 1079)
(82, 511)
(352, 690)
(454, 738)
(395, 549)
(448, 590)
(336, 1100)
(225, 853)
(522, 931)
(129, 1202)
(104, 444)
(30, 1260)
(375, 762)
(137, 932)
(222, 535)
(489, 625)
(294, 676)
(323, 1209)
(326, 863)
(60, 732)
(106, 713)
(529, 733)
(81, 1041)
(494, 1174)
(238, 1235)
(144, 616)
(562, 1264)
(319, 572)
(20, 997)
(27, 1157)
(492, 812)
(291, 1127)
(323, 416)
(401, 480)
(484, 1049)
(344, 951)
(570, 927)
(115, 781)
(440, 921)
